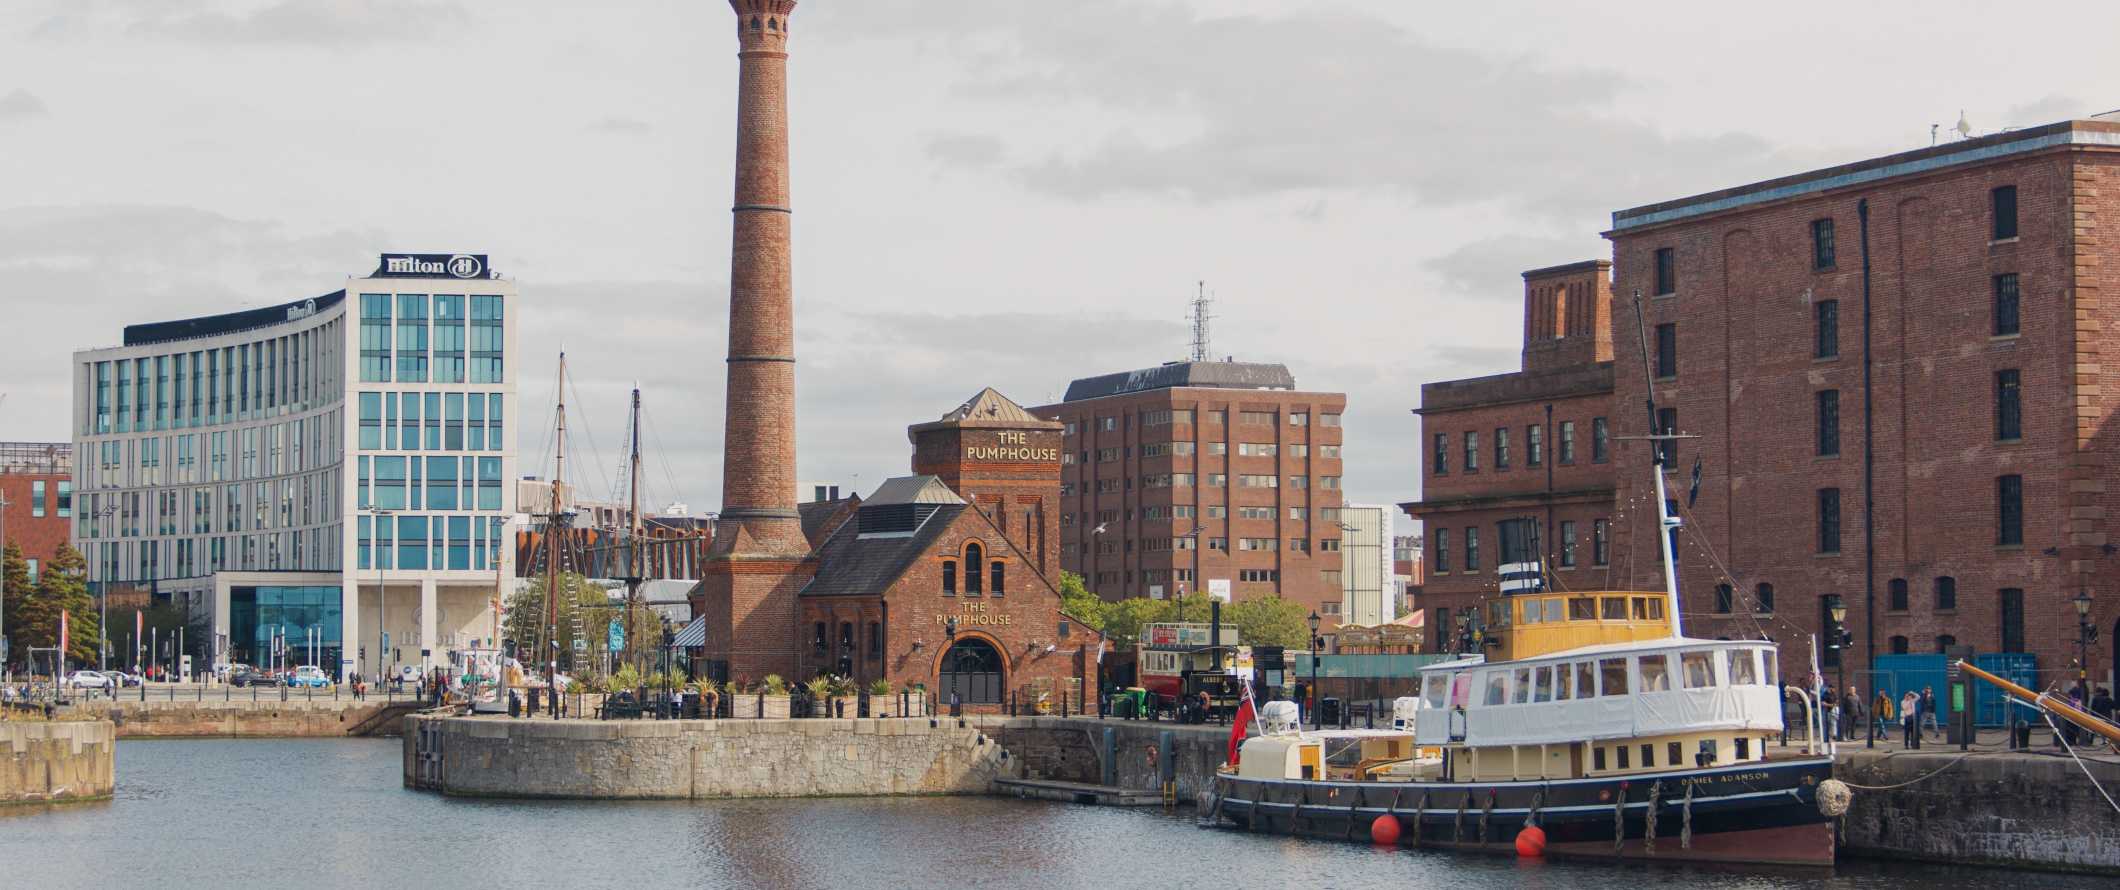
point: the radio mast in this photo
(1200, 318)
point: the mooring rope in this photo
(1619, 819)
(1656, 792)
(2071, 749)
(1486, 812)
(1685, 825)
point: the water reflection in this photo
(332, 814)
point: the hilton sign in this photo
(431, 265)
(1012, 446)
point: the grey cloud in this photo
(1490, 267)
(22, 105)
(1328, 100)
(306, 23)
(619, 125)
(964, 149)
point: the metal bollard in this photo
(1111, 756)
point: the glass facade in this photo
(258, 615)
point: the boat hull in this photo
(1756, 813)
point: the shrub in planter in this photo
(820, 695)
(846, 702)
(776, 697)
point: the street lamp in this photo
(1314, 697)
(1836, 640)
(382, 616)
(2085, 635)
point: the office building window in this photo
(1600, 542)
(1442, 550)
(2006, 305)
(2009, 510)
(1567, 544)
(1472, 452)
(1822, 244)
(36, 498)
(375, 341)
(1566, 442)
(2009, 419)
(66, 498)
(1667, 350)
(1501, 448)
(1825, 336)
(1600, 441)
(1534, 445)
(1441, 461)
(1666, 271)
(1829, 520)
(1472, 549)
(2003, 203)
(1828, 415)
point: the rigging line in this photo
(2071, 749)
(544, 458)
(589, 432)
(662, 456)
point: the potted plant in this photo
(916, 697)
(881, 701)
(744, 699)
(820, 695)
(709, 694)
(846, 701)
(776, 697)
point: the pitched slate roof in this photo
(912, 490)
(1218, 375)
(852, 565)
(991, 405)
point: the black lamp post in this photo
(2085, 635)
(668, 637)
(1836, 639)
(1314, 697)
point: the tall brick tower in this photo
(760, 557)
(1004, 460)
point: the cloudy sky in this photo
(1002, 192)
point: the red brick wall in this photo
(39, 538)
(1747, 378)
(1018, 484)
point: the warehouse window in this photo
(1822, 244)
(2006, 305)
(2004, 205)
(1666, 271)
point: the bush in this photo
(626, 679)
(879, 687)
(819, 687)
(774, 685)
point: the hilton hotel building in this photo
(332, 469)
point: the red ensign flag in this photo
(1241, 724)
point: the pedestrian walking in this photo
(1910, 720)
(1928, 710)
(2102, 704)
(1854, 716)
(1881, 715)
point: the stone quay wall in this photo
(296, 717)
(2025, 810)
(56, 761)
(691, 759)
(1072, 749)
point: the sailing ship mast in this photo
(555, 521)
(635, 569)
(1665, 522)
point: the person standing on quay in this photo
(1881, 714)
(1851, 715)
(1910, 720)
(1928, 710)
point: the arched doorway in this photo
(973, 669)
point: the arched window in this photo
(974, 557)
(1898, 594)
(972, 669)
(772, 24)
(1944, 642)
(1763, 598)
(1946, 593)
(1724, 598)
(1899, 645)
(949, 576)
(756, 23)
(999, 582)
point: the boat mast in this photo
(553, 529)
(1665, 522)
(634, 567)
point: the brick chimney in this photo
(759, 557)
(1568, 315)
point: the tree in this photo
(1270, 621)
(525, 621)
(62, 587)
(1079, 603)
(18, 593)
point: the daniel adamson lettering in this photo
(1014, 446)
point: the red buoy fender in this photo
(1385, 830)
(1531, 842)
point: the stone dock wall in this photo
(2017, 810)
(57, 761)
(679, 759)
(1073, 749)
(266, 718)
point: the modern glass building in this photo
(327, 472)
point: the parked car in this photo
(309, 675)
(121, 678)
(89, 680)
(245, 675)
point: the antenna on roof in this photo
(1200, 317)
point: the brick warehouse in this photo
(1202, 472)
(37, 486)
(1956, 291)
(1533, 444)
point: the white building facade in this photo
(324, 481)
(1369, 596)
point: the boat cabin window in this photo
(1656, 673)
(1585, 680)
(1531, 612)
(1523, 687)
(1563, 681)
(1699, 670)
(1597, 759)
(1433, 688)
(1542, 687)
(1675, 753)
(1497, 687)
(1615, 608)
(1648, 608)
(1582, 608)
(1770, 669)
(1744, 670)
(1460, 689)
(1613, 671)
(1498, 613)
